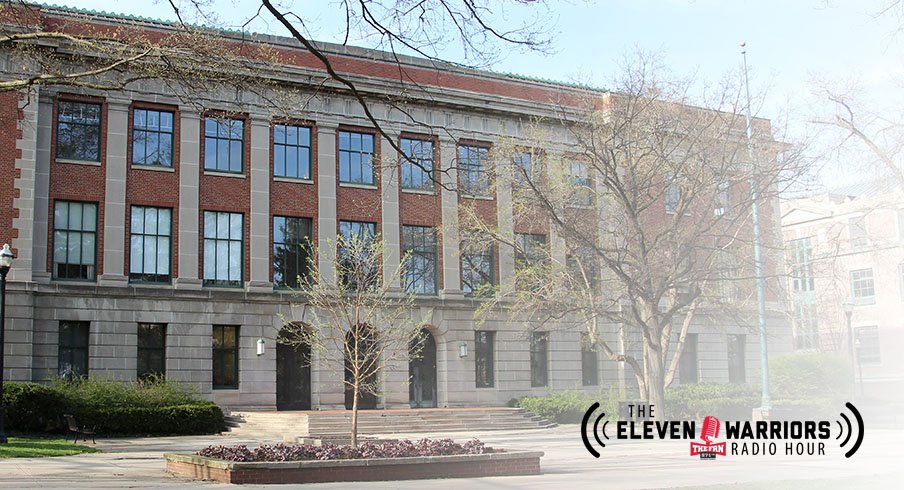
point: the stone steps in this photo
(317, 423)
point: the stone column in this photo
(326, 211)
(449, 196)
(115, 194)
(39, 269)
(260, 204)
(390, 218)
(189, 181)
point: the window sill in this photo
(351, 185)
(74, 280)
(157, 285)
(78, 162)
(216, 173)
(153, 168)
(293, 180)
(225, 388)
(479, 198)
(418, 191)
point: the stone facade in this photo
(475, 107)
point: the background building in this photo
(159, 235)
(847, 245)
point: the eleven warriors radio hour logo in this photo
(709, 449)
(741, 437)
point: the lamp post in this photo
(848, 307)
(6, 262)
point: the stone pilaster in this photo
(390, 218)
(326, 211)
(451, 238)
(189, 195)
(39, 269)
(260, 205)
(115, 195)
(25, 184)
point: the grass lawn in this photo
(26, 447)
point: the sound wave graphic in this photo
(850, 430)
(596, 430)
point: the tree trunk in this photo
(655, 381)
(355, 415)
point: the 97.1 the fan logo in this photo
(742, 437)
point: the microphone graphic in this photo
(711, 426)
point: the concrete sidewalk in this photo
(138, 462)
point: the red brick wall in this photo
(77, 182)
(227, 194)
(295, 199)
(9, 133)
(152, 187)
(343, 472)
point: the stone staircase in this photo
(288, 425)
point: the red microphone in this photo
(711, 426)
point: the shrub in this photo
(141, 407)
(567, 407)
(32, 406)
(809, 385)
(366, 450)
(695, 401)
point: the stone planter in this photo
(383, 469)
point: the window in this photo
(73, 352)
(723, 198)
(806, 328)
(419, 244)
(539, 359)
(356, 151)
(900, 224)
(687, 364)
(152, 137)
(224, 144)
(737, 358)
(523, 169)
(529, 250)
(223, 249)
(151, 248)
(292, 151)
(590, 375)
(901, 279)
(862, 287)
(472, 170)
(582, 268)
(579, 177)
(672, 193)
(74, 240)
(151, 350)
(417, 175)
(857, 232)
(483, 359)
(358, 266)
(866, 343)
(225, 356)
(477, 269)
(291, 250)
(78, 131)
(801, 267)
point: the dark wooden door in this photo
(422, 371)
(293, 377)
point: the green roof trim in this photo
(169, 23)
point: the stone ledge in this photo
(383, 469)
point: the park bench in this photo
(83, 431)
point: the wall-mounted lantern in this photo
(463, 349)
(260, 346)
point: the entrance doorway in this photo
(359, 353)
(293, 376)
(422, 371)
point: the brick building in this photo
(154, 237)
(847, 246)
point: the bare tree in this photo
(362, 322)
(649, 206)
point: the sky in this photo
(790, 44)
